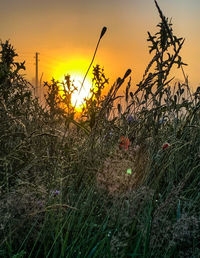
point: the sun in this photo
(76, 68)
(79, 96)
(81, 93)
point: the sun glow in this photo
(79, 96)
(75, 68)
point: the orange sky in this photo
(65, 33)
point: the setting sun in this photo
(76, 68)
(79, 96)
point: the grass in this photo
(65, 190)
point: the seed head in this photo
(103, 32)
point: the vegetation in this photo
(112, 182)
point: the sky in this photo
(65, 33)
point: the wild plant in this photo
(93, 103)
(153, 101)
(68, 190)
(53, 99)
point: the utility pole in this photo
(37, 93)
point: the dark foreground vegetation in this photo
(114, 181)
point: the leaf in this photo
(175, 99)
(178, 215)
(119, 108)
(131, 94)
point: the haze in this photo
(65, 34)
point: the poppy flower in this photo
(125, 142)
(165, 146)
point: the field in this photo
(121, 178)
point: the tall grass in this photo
(65, 190)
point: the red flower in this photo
(125, 142)
(165, 145)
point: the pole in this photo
(36, 75)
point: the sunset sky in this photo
(65, 33)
